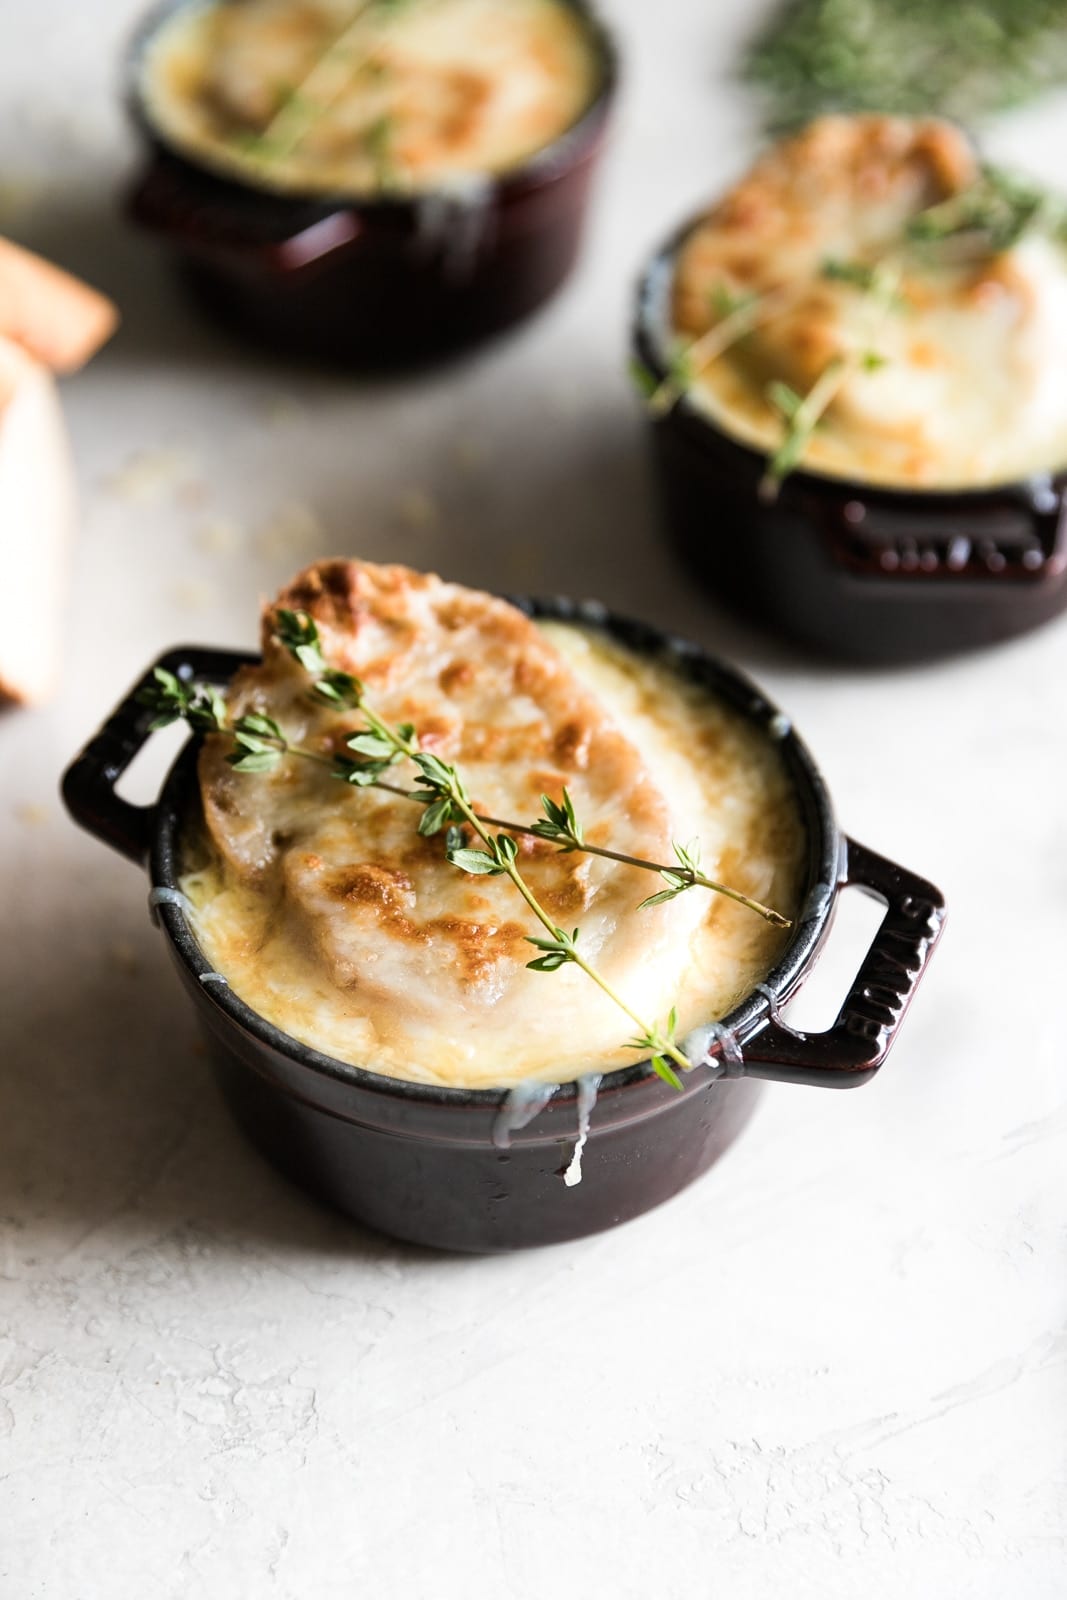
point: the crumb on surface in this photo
(31, 814)
(278, 409)
(563, 400)
(123, 956)
(417, 509)
(19, 195)
(470, 453)
(523, 568)
(219, 536)
(192, 495)
(291, 530)
(151, 475)
(194, 594)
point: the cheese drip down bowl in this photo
(418, 266)
(924, 514)
(495, 1168)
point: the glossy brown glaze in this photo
(367, 282)
(426, 1163)
(868, 574)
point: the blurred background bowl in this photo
(376, 282)
(864, 573)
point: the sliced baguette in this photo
(55, 317)
(37, 506)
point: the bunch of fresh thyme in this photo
(966, 57)
(990, 216)
(259, 744)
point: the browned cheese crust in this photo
(842, 181)
(379, 908)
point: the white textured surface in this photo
(835, 1368)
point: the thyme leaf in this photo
(479, 862)
(801, 415)
(858, 273)
(559, 824)
(559, 950)
(300, 635)
(172, 700)
(663, 1045)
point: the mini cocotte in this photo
(332, 916)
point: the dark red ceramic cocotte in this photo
(372, 282)
(420, 1162)
(867, 574)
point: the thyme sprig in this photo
(382, 745)
(259, 744)
(739, 313)
(308, 101)
(447, 804)
(546, 829)
(905, 57)
(991, 215)
(562, 828)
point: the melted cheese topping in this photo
(332, 918)
(334, 96)
(969, 391)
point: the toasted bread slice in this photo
(424, 951)
(36, 525)
(55, 317)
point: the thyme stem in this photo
(879, 295)
(666, 1046)
(303, 107)
(696, 879)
